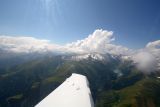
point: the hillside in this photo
(114, 82)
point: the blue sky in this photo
(134, 22)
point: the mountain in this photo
(114, 80)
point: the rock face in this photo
(73, 92)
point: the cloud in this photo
(100, 41)
(153, 45)
(145, 61)
(26, 44)
(94, 42)
(148, 58)
(154, 48)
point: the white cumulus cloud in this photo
(94, 42)
(155, 44)
(100, 41)
(154, 47)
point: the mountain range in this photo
(114, 81)
(31, 68)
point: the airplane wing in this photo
(73, 92)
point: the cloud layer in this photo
(100, 41)
(26, 44)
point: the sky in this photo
(134, 22)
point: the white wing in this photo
(73, 92)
